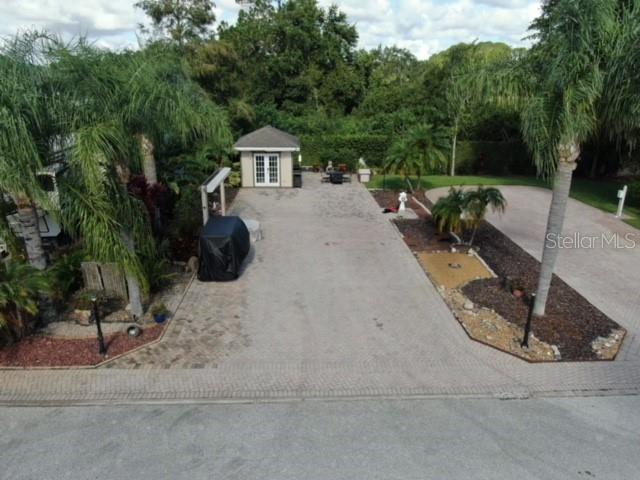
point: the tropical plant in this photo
(421, 150)
(29, 116)
(462, 210)
(475, 206)
(20, 286)
(580, 77)
(65, 274)
(447, 213)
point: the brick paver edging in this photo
(164, 331)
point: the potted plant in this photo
(160, 312)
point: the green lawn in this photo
(599, 194)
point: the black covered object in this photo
(335, 177)
(224, 244)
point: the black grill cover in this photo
(224, 244)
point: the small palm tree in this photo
(20, 286)
(476, 203)
(447, 213)
(421, 150)
(462, 210)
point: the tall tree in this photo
(580, 76)
(182, 21)
(29, 117)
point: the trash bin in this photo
(297, 179)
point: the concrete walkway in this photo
(607, 276)
(332, 304)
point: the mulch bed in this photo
(420, 234)
(39, 351)
(571, 322)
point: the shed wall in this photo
(286, 169)
(246, 165)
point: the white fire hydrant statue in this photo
(402, 209)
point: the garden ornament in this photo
(402, 199)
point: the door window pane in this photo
(260, 173)
(273, 169)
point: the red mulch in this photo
(571, 322)
(38, 351)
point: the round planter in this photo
(160, 318)
(518, 293)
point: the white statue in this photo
(402, 199)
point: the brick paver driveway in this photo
(331, 303)
(331, 284)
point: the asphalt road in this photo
(569, 438)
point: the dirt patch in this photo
(39, 351)
(452, 270)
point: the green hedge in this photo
(347, 149)
(472, 157)
(634, 194)
(493, 158)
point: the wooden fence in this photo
(105, 277)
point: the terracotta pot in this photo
(517, 293)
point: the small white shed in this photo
(266, 157)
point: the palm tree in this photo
(447, 213)
(420, 150)
(157, 98)
(475, 205)
(399, 160)
(466, 209)
(20, 287)
(428, 145)
(28, 117)
(580, 76)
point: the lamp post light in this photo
(527, 327)
(102, 348)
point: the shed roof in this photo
(268, 137)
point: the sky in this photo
(424, 27)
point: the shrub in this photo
(20, 286)
(347, 149)
(633, 193)
(66, 274)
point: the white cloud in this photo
(422, 26)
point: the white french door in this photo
(267, 169)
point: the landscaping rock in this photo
(81, 317)
(468, 305)
(192, 265)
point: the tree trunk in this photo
(133, 285)
(555, 221)
(148, 160)
(453, 155)
(29, 227)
